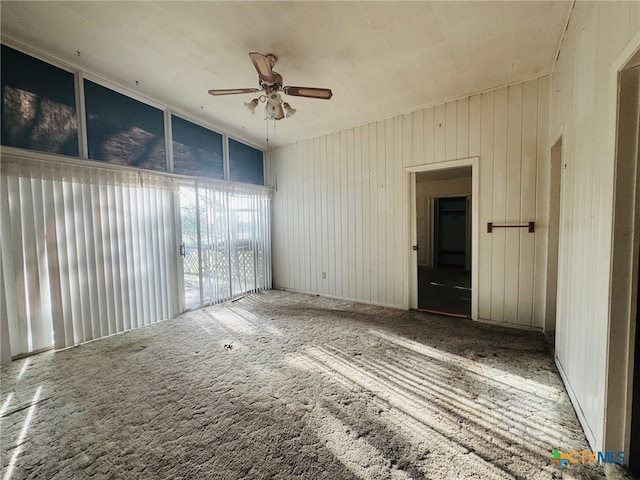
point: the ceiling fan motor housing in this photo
(272, 59)
(277, 82)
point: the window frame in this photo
(197, 124)
(80, 74)
(38, 55)
(228, 159)
(161, 117)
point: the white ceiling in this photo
(379, 58)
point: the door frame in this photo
(411, 300)
(623, 281)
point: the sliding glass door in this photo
(90, 250)
(225, 242)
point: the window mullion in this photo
(168, 139)
(225, 157)
(83, 143)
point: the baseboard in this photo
(333, 297)
(509, 325)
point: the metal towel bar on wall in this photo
(530, 225)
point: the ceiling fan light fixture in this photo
(288, 110)
(273, 108)
(271, 85)
(251, 106)
(274, 112)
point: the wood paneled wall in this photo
(584, 115)
(341, 208)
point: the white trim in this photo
(462, 162)
(81, 113)
(73, 161)
(226, 171)
(473, 162)
(626, 55)
(412, 259)
(564, 33)
(475, 232)
(168, 140)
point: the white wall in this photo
(583, 112)
(425, 191)
(341, 209)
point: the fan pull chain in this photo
(268, 151)
(274, 132)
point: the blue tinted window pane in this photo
(38, 105)
(245, 163)
(122, 130)
(196, 150)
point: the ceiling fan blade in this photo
(323, 93)
(263, 67)
(233, 91)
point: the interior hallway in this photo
(281, 385)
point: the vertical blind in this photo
(88, 250)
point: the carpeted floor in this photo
(310, 388)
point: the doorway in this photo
(443, 227)
(555, 187)
(623, 362)
(634, 446)
(628, 148)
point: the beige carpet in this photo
(310, 388)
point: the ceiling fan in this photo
(270, 83)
